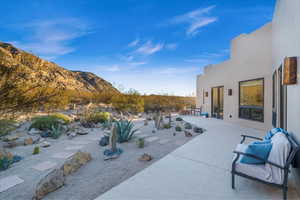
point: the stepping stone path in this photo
(8, 182)
(74, 147)
(64, 155)
(151, 139)
(164, 141)
(44, 166)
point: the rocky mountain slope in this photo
(33, 69)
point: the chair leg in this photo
(285, 193)
(232, 181)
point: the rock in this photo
(75, 162)
(104, 141)
(11, 144)
(145, 122)
(72, 135)
(145, 157)
(34, 131)
(4, 153)
(82, 133)
(51, 182)
(45, 144)
(10, 138)
(28, 141)
(198, 130)
(188, 134)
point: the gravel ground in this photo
(97, 176)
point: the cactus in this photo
(140, 142)
(113, 139)
(158, 120)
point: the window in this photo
(203, 96)
(251, 105)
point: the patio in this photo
(198, 170)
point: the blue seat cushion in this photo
(260, 149)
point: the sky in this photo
(152, 46)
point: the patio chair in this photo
(277, 166)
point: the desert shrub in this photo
(140, 142)
(125, 130)
(131, 101)
(45, 122)
(178, 129)
(36, 150)
(166, 126)
(97, 117)
(6, 126)
(63, 117)
(179, 119)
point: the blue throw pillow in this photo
(260, 149)
(273, 131)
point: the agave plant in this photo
(55, 132)
(125, 130)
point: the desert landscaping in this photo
(61, 155)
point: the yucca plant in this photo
(125, 130)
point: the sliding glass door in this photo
(217, 97)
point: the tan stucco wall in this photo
(286, 43)
(251, 58)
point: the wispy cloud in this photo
(52, 38)
(177, 70)
(209, 58)
(134, 43)
(149, 48)
(196, 20)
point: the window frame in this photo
(263, 105)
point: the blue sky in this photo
(153, 46)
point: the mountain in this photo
(33, 69)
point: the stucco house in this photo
(250, 88)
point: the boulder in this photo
(10, 138)
(72, 164)
(28, 141)
(104, 141)
(45, 144)
(51, 182)
(145, 157)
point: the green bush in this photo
(97, 117)
(140, 142)
(166, 126)
(178, 129)
(36, 150)
(179, 119)
(125, 130)
(45, 122)
(6, 126)
(63, 117)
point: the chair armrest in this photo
(258, 158)
(249, 136)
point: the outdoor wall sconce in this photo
(206, 94)
(290, 71)
(229, 92)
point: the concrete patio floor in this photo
(198, 170)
